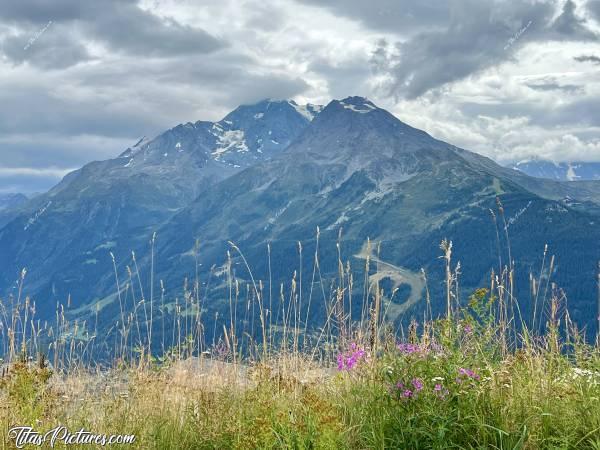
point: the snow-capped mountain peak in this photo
(358, 104)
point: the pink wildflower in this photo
(468, 373)
(350, 360)
(418, 384)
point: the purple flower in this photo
(468, 373)
(350, 360)
(437, 388)
(468, 329)
(408, 349)
(400, 385)
(418, 384)
(407, 393)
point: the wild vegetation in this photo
(478, 376)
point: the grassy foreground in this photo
(447, 385)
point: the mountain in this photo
(270, 174)
(9, 201)
(64, 237)
(9, 206)
(359, 169)
(565, 171)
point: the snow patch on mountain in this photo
(340, 220)
(230, 140)
(571, 175)
(359, 105)
(309, 110)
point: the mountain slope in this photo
(359, 169)
(64, 237)
(8, 201)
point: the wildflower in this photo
(468, 373)
(400, 385)
(418, 384)
(407, 393)
(408, 349)
(437, 388)
(350, 360)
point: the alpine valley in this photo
(278, 180)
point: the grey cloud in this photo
(568, 26)
(120, 25)
(37, 161)
(475, 39)
(498, 110)
(27, 184)
(58, 151)
(594, 7)
(481, 34)
(125, 27)
(41, 11)
(203, 87)
(567, 88)
(578, 112)
(52, 48)
(348, 78)
(26, 108)
(253, 88)
(265, 17)
(399, 16)
(587, 58)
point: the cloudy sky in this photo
(83, 80)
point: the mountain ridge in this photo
(560, 171)
(354, 167)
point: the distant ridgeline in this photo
(146, 236)
(564, 171)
